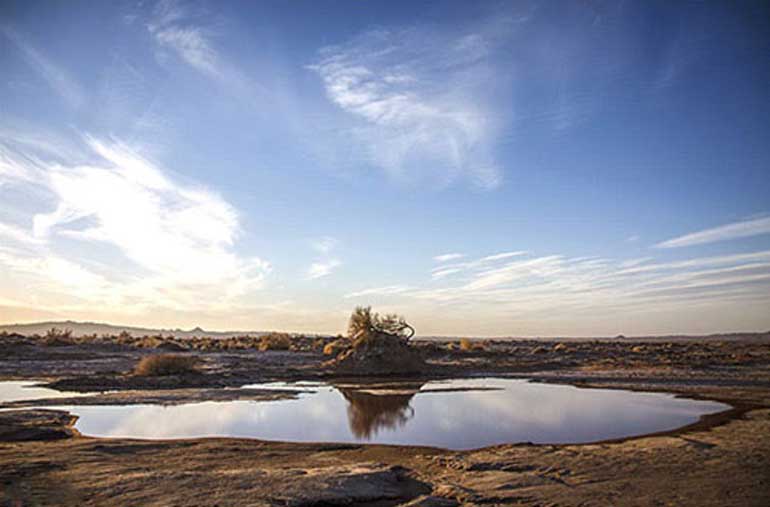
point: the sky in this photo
(483, 168)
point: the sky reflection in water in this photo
(519, 412)
(17, 390)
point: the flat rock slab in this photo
(25, 425)
(347, 485)
(431, 501)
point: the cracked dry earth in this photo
(722, 461)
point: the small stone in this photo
(431, 501)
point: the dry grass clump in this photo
(166, 364)
(56, 337)
(275, 341)
(467, 345)
(335, 347)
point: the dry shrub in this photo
(467, 345)
(363, 321)
(56, 337)
(275, 341)
(166, 364)
(335, 347)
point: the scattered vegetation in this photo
(468, 345)
(363, 321)
(58, 337)
(166, 364)
(275, 341)
(335, 347)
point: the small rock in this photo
(431, 501)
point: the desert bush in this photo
(364, 321)
(56, 337)
(467, 345)
(335, 347)
(166, 364)
(275, 341)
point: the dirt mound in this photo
(378, 354)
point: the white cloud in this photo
(170, 243)
(448, 257)
(441, 273)
(419, 98)
(501, 256)
(445, 270)
(742, 229)
(325, 265)
(324, 245)
(57, 78)
(193, 46)
(496, 288)
(379, 291)
(322, 268)
(189, 33)
(16, 234)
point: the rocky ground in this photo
(722, 460)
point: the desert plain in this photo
(722, 459)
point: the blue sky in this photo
(485, 168)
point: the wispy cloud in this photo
(448, 257)
(190, 34)
(14, 234)
(193, 46)
(326, 264)
(504, 289)
(742, 229)
(445, 270)
(417, 95)
(57, 78)
(173, 28)
(322, 268)
(379, 291)
(167, 242)
(324, 245)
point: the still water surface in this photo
(17, 390)
(515, 411)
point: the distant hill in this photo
(98, 328)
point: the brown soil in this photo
(378, 354)
(723, 460)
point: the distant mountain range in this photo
(98, 328)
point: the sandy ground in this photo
(722, 460)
